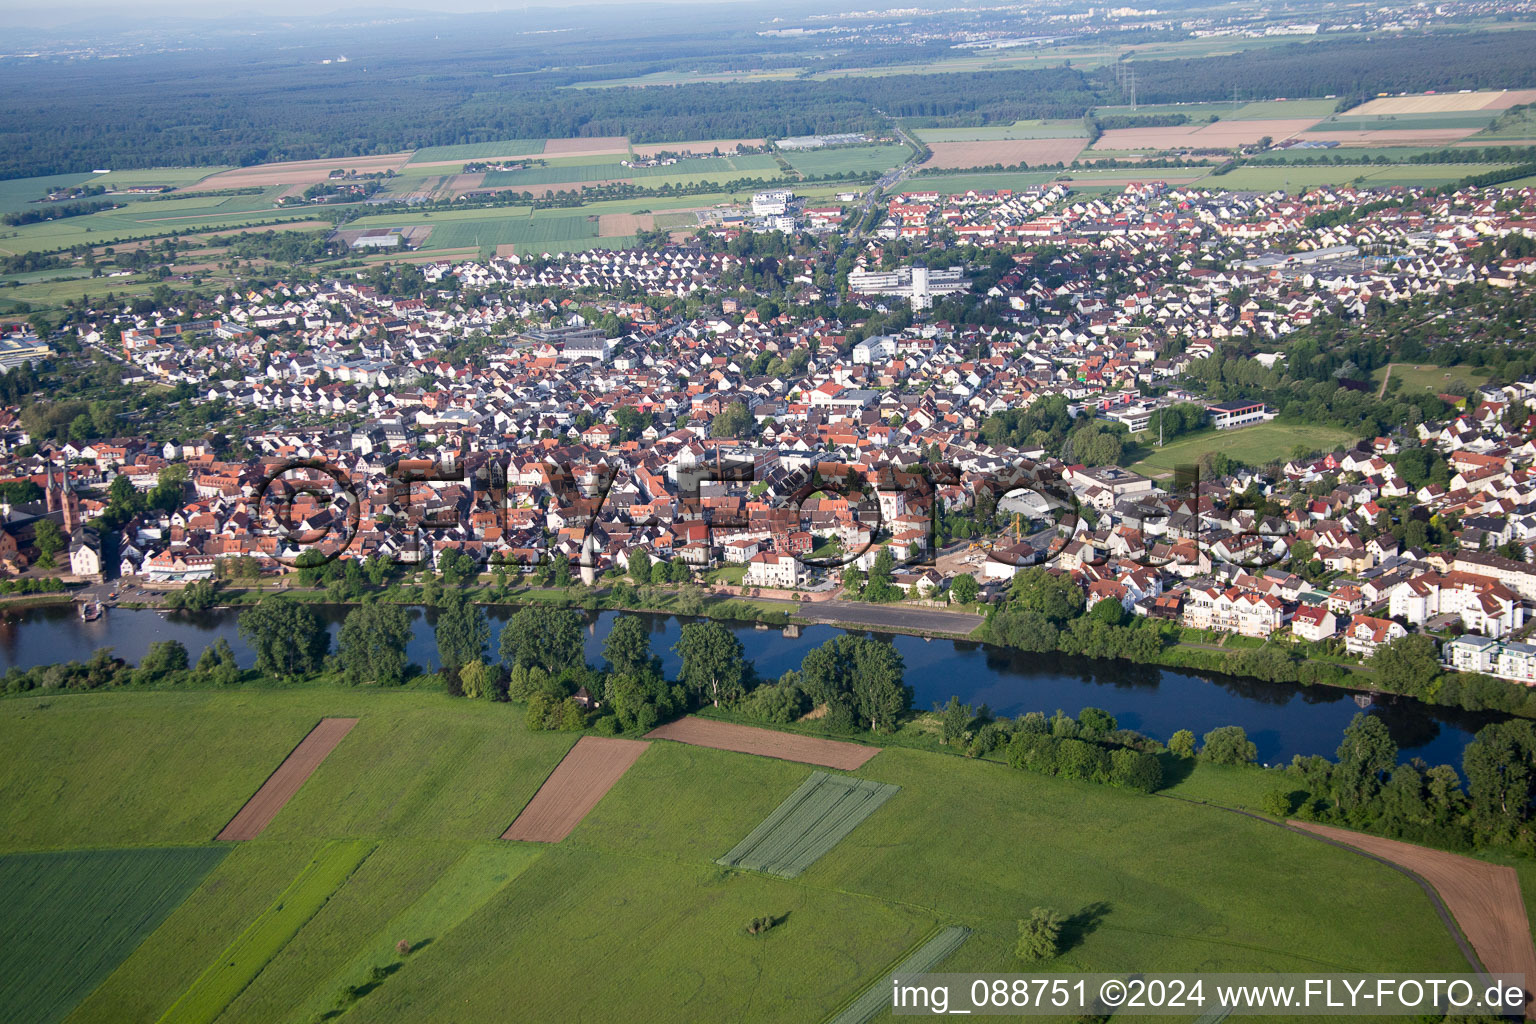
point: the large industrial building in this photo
(919, 284)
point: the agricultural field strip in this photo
(480, 871)
(73, 916)
(1484, 898)
(238, 965)
(747, 739)
(478, 151)
(283, 783)
(578, 782)
(815, 818)
(566, 173)
(933, 952)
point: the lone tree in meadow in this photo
(1040, 936)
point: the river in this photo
(1282, 719)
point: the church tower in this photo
(62, 498)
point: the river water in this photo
(1282, 719)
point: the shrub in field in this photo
(1040, 936)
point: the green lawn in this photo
(1419, 377)
(1255, 445)
(393, 838)
(70, 918)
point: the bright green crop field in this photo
(394, 839)
(848, 159)
(70, 918)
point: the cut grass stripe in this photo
(868, 1004)
(462, 889)
(814, 818)
(245, 958)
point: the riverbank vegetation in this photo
(849, 687)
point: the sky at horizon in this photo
(30, 14)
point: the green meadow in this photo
(848, 159)
(393, 838)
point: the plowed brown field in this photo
(578, 782)
(1484, 898)
(744, 739)
(280, 786)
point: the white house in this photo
(1314, 622)
(772, 569)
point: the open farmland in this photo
(237, 966)
(183, 176)
(594, 146)
(1444, 102)
(1292, 177)
(1220, 135)
(1257, 445)
(1002, 132)
(702, 147)
(426, 786)
(279, 788)
(1469, 121)
(70, 918)
(758, 165)
(17, 194)
(578, 782)
(707, 732)
(302, 172)
(848, 159)
(1485, 898)
(811, 821)
(519, 228)
(1022, 151)
(922, 960)
(478, 151)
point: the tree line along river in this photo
(1282, 719)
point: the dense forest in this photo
(1351, 69)
(261, 104)
(260, 113)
